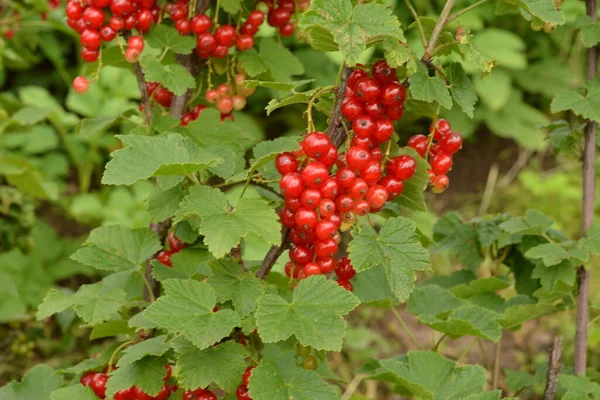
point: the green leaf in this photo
(37, 384)
(533, 223)
(461, 88)
(156, 346)
(94, 127)
(267, 151)
(591, 243)
(545, 10)
(296, 98)
(163, 203)
(27, 178)
(396, 53)
(76, 392)
(517, 314)
(146, 156)
(396, 248)
(147, 374)
(232, 283)
(317, 306)
(187, 309)
(550, 275)
(31, 115)
(98, 302)
(270, 382)
(494, 89)
(279, 60)
(290, 86)
(517, 380)
(579, 387)
(548, 76)
(222, 364)
(321, 39)
(584, 101)
(590, 31)
(352, 27)
(222, 226)
(117, 248)
(550, 253)
(413, 195)
(172, 76)
(252, 63)
(186, 263)
(111, 328)
(163, 37)
(231, 6)
(428, 375)
(505, 47)
(54, 302)
(429, 88)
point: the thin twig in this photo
(418, 22)
(488, 192)
(336, 133)
(151, 288)
(497, 355)
(141, 81)
(406, 328)
(352, 386)
(554, 368)
(589, 192)
(464, 10)
(437, 30)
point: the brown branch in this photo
(336, 133)
(589, 190)
(178, 102)
(160, 229)
(141, 81)
(437, 30)
(554, 368)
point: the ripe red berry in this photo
(316, 144)
(440, 183)
(163, 96)
(326, 265)
(352, 108)
(248, 373)
(368, 90)
(326, 208)
(135, 42)
(357, 157)
(402, 167)
(80, 84)
(355, 76)
(132, 55)
(393, 185)
(344, 203)
(98, 384)
(291, 269)
(451, 143)
(206, 42)
(310, 198)
(292, 204)
(345, 284)
(256, 18)
(89, 55)
(330, 158)
(86, 379)
(384, 129)
(441, 163)
(363, 126)
(395, 112)
(344, 269)
(175, 245)
(211, 96)
(286, 30)
(225, 35)
(361, 207)
(287, 218)
(330, 188)
(377, 196)
(244, 42)
(279, 16)
(201, 24)
(345, 177)
(248, 29)
(183, 26)
(312, 268)
(315, 174)
(372, 172)
(291, 185)
(204, 395)
(107, 33)
(359, 189)
(419, 143)
(286, 163)
(326, 229)
(325, 249)
(93, 17)
(91, 39)
(164, 257)
(225, 105)
(383, 72)
(74, 10)
(144, 20)
(375, 110)
(376, 154)
(301, 255)
(117, 23)
(393, 94)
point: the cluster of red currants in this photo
(175, 246)
(227, 98)
(242, 391)
(441, 144)
(199, 394)
(320, 201)
(97, 382)
(279, 15)
(89, 19)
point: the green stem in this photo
(418, 22)
(113, 355)
(439, 342)
(496, 374)
(464, 10)
(147, 284)
(64, 137)
(467, 350)
(311, 102)
(406, 328)
(216, 19)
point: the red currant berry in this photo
(326, 229)
(135, 42)
(197, 110)
(287, 217)
(80, 84)
(363, 126)
(98, 384)
(376, 154)
(206, 42)
(344, 269)
(395, 112)
(306, 218)
(201, 24)
(279, 16)
(359, 189)
(326, 265)
(86, 379)
(122, 7)
(175, 245)
(330, 158)
(315, 174)
(451, 143)
(286, 30)
(291, 185)
(144, 20)
(402, 167)
(344, 203)
(183, 26)
(291, 269)
(74, 10)
(132, 55)
(312, 268)
(93, 17)
(163, 96)
(377, 196)
(419, 143)
(244, 42)
(90, 39)
(225, 105)
(117, 23)
(345, 177)
(393, 185)
(286, 163)
(330, 188)
(383, 72)
(211, 96)
(325, 249)
(164, 257)
(355, 76)
(352, 108)
(384, 129)
(375, 110)
(316, 144)
(440, 128)
(361, 207)
(205, 395)
(248, 29)
(301, 255)
(393, 94)
(440, 183)
(248, 373)
(372, 172)
(441, 163)
(345, 284)
(368, 90)
(310, 198)
(225, 35)
(326, 208)
(256, 18)
(357, 157)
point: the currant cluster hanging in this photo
(242, 391)
(97, 382)
(175, 246)
(438, 147)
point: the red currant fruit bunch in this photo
(345, 271)
(279, 14)
(175, 246)
(158, 93)
(439, 147)
(199, 394)
(97, 382)
(228, 98)
(242, 390)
